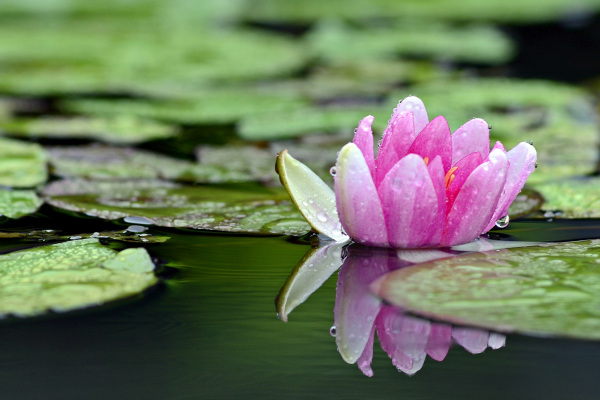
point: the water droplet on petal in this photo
(332, 171)
(321, 216)
(333, 331)
(503, 222)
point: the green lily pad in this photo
(542, 290)
(104, 162)
(22, 164)
(554, 116)
(306, 11)
(250, 209)
(133, 234)
(208, 106)
(123, 129)
(573, 198)
(69, 276)
(478, 44)
(18, 203)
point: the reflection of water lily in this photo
(426, 187)
(359, 315)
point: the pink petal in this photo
(357, 201)
(521, 160)
(439, 341)
(471, 137)
(395, 143)
(464, 168)
(476, 201)
(498, 145)
(404, 338)
(436, 172)
(363, 139)
(414, 104)
(434, 140)
(365, 359)
(409, 203)
(474, 340)
(355, 307)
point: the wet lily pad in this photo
(21, 164)
(123, 129)
(251, 209)
(542, 290)
(70, 275)
(133, 234)
(479, 44)
(17, 203)
(573, 198)
(104, 162)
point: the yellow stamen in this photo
(426, 159)
(450, 176)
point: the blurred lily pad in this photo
(252, 209)
(104, 162)
(123, 129)
(17, 203)
(207, 106)
(133, 234)
(572, 198)
(306, 11)
(478, 44)
(70, 275)
(542, 290)
(22, 164)
(554, 116)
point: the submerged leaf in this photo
(551, 289)
(71, 275)
(251, 208)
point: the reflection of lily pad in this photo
(252, 209)
(17, 203)
(543, 290)
(122, 129)
(103, 162)
(70, 275)
(21, 164)
(434, 40)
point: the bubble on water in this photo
(333, 331)
(503, 222)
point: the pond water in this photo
(211, 332)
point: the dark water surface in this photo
(211, 332)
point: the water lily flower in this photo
(426, 187)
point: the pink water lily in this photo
(427, 187)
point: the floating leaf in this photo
(479, 44)
(312, 196)
(552, 289)
(21, 164)
(71, 275)
(17, 203)
(124, 129)
(252, 208)
(104, 162)
(573, 198)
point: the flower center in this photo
(426, 159)
(450, 176)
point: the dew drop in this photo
(332, 171)
(321, 216)
(503, 222)
(333, 331)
